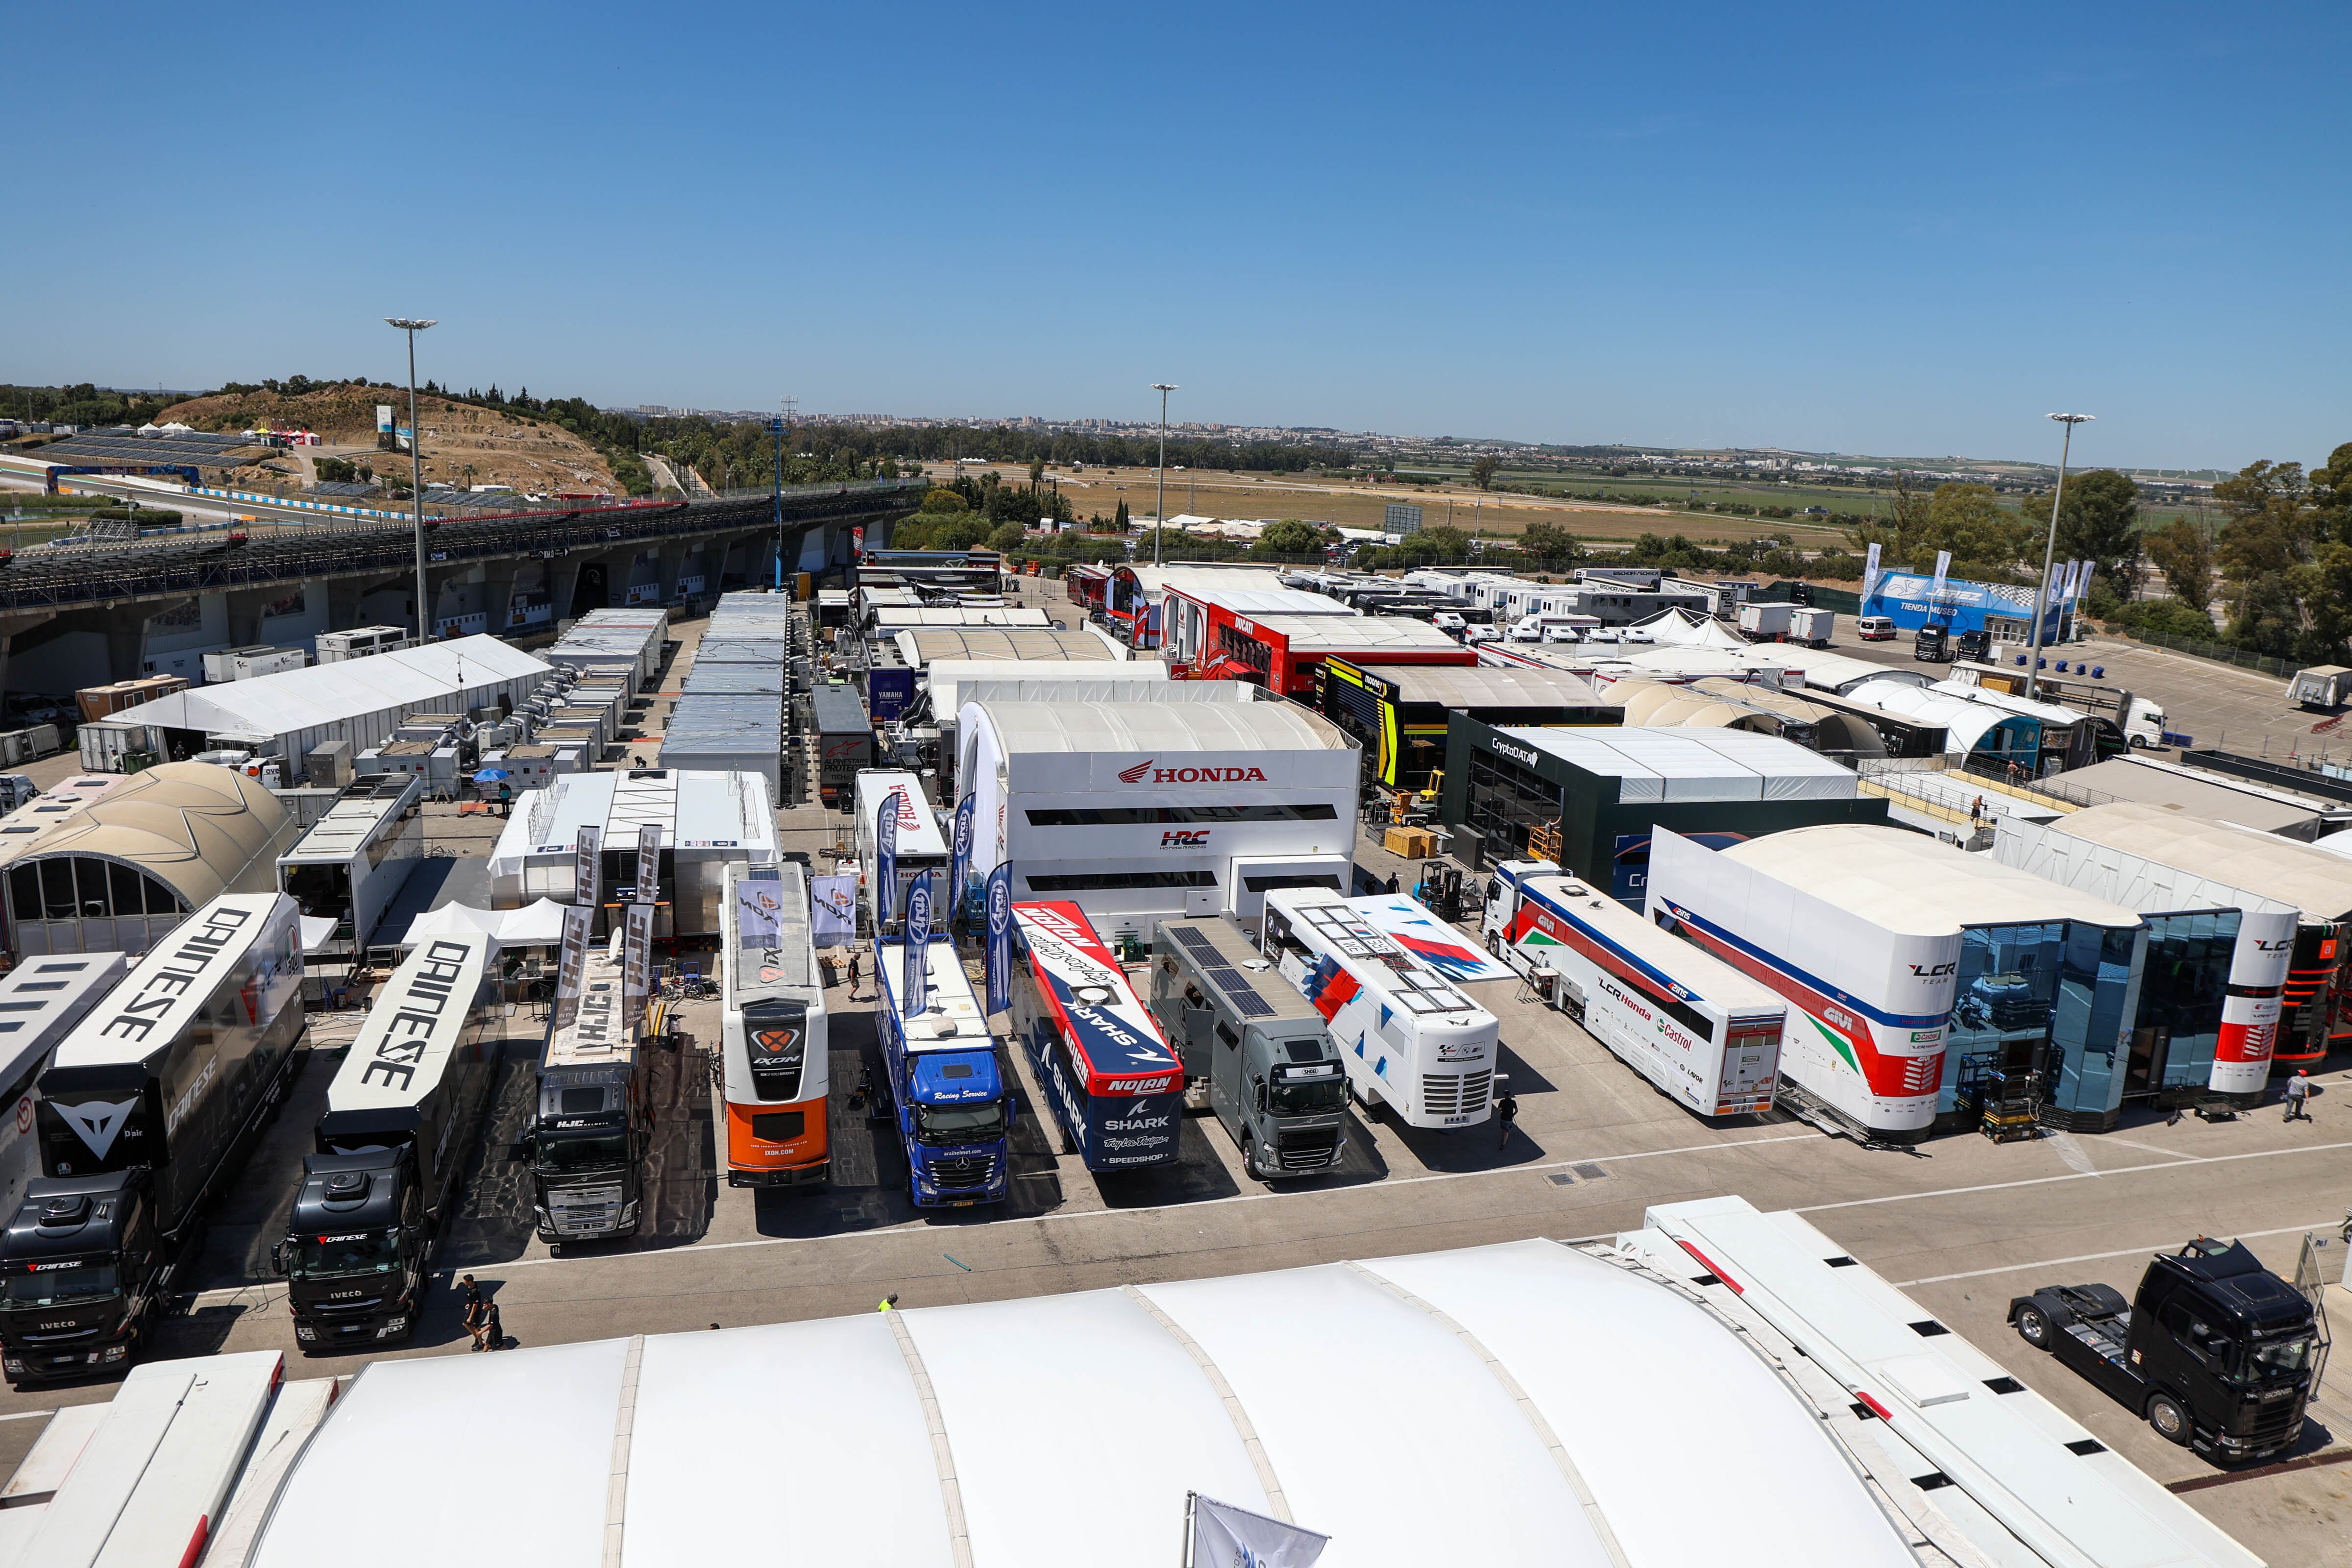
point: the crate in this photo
(1410, 843)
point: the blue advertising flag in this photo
(916, 981)
(886, 858)
(1000, 939)
(959, 862)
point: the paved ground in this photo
(1962, 1222)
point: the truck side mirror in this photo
(278, 1258)
(1258, 1093)
(1012, 1113)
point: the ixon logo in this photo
(1158, 775)
(1184, 838)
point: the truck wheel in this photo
(1249, 1157)
(2033, 1326)
(2172, 1421)
(2139, 742)
(1493, 945)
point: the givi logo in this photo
(1159, 774)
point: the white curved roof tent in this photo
(1491, 1432)
(1838, 672)
(1915, 885)
(1965, 724)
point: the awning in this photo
(316, 932)
(538, 924)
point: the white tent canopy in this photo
(1676, 627)
(535, 924)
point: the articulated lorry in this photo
(403, 1115)
(954, 1103)
(1705, 1034)
(149, 1104)
(774, 1047)
(1107, 1075)
(1255, 1049)
(592, 1126)
(2217, 1352)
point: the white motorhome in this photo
(1411, 1039)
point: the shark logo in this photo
(97, 1121)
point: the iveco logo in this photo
(1516, 753)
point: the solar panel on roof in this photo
(1238, 991)
(1195, 939)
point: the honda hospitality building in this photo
(1198, 802)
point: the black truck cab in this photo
(587, 1147)
(2215, 1351)
(83, 1275)
(356, 1249)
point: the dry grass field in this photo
(1357, 504)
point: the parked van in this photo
(1875, 628)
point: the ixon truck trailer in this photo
(1254, 1048)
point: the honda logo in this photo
(1151, 768)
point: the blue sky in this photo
(1898, 230)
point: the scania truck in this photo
(148, 1105)
(1255, 1049)
(2217, 1352)
(952, 1101)
(402, 1118)
(592, 1127)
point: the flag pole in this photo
(1191, 1499)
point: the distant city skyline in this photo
(1817, 228)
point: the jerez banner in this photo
(1869, 573)
(1223, 1536)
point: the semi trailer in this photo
(774, 1043)
(592, 1124)
(403, 1115)
(952, 1103)
(149, 1103)
(1109, 1077)
(1255, 1050)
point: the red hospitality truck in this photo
(1116, 1088)
(1286, 653)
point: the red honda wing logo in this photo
(1158, 775)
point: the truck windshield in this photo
(1307, 1097)
(2270, 1359)
(335, 1256)
(570, 1154)
(959, 1123)
(58, 1287)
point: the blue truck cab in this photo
(951, 1100)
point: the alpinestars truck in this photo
(402, 1119)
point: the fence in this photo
(2220, 653)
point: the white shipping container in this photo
(1765, 621)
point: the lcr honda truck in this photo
(2217, 1352)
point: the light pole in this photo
(412, 326)
(1160, 505)
(2050, 550)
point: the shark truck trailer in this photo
(593, 1125)
(148, 1104)
(953, 1105)
(1116, 1089)
(1705, 1034)
(403, 1115)
(1409, 1038)
(774, 1043)
(1252, 1048)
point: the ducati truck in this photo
(149, 1104)
(402, 1117)
(2219, 1353)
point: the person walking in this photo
(857, 962)
(1507, 1110)
(477, 1323)
(888, 1303)
(1394, 886)
(2298, 1095)
(494, 1334)
(1975, 812)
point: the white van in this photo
(1875, 628)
